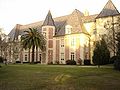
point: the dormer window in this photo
(68, 29)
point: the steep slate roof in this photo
(76, 20)
(49, 20)
(108, 10)
(15, 32)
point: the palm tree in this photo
(32, 39)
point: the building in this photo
(69, 37)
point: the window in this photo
(44, 34)
(72, 56)
(40, 57)
(50, 33)
(62, 42)
(62, 56)
(73, 42)
(26, 57)
(44, 29)
(68, 29)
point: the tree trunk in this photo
(33, 50)
(98, 66)
(37, 54)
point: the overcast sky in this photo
(23, 12)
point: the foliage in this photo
(117, 62)
(101, 53)
(87, 62)
(112, 59)
(79, 62)
(112, 29)
(50, 63)
(32, 39)
(56, 62)
(1, 59)
(71, 62)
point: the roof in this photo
(49, 20)
(90, 18)
(14, 32)
(108, 10)
(75, 19)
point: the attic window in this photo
(68, 29)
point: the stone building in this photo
(69, 37)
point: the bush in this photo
(50, 63)
(117, 64)
(1, 59)
(56, 62)
(79, 61)
(18, 62)
(101, 54)
(112, 59)
(87, 62)
(71, 62)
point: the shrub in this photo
(71, 62)
(18, 62)
(79, 61)
(112, 59)
(1, 59)
(56, 62)
(101, 54)
(50, 63)
(87, 62)
(117, 64)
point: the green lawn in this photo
(49, 77)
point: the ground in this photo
(58, 77)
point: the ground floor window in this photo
(40, 57)
(26, 57)
(62, 56)
(72, 56)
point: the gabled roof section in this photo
(49, 20)
(75, 20)
(15, 32)
(108, 10)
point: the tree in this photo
(32, 39)
(110, 36)
(117, 61)
(101, 53)
(112, 27)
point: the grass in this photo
(49, 77)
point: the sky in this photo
(23, 12)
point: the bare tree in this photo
(112, 29)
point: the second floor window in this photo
(62, 56)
